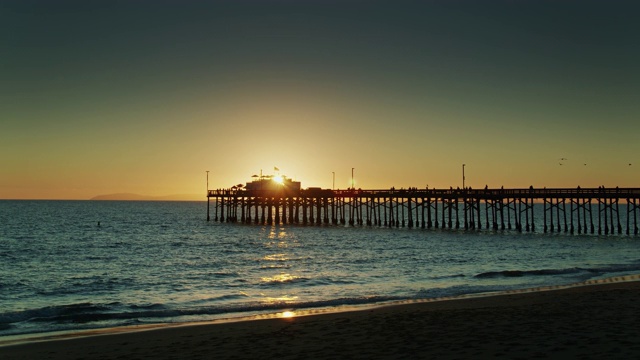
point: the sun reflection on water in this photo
(275, 257)
(280, 278)
(280, 299)
(277, 233)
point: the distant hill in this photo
(138, 197)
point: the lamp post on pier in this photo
(353, 185)
(463, 165)
(334, 180)
(208, 218)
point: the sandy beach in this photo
(595, 321)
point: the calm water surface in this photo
(158, 262)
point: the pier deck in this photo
(581, 210)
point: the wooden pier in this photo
(589, 211)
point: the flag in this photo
(275, 169)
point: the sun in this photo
(278, 179)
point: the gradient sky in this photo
(100, 97)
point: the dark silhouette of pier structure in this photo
(571, 210)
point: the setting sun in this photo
(279, 179)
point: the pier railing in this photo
(588, 210)
(451, 193)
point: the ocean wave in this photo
(7, 255)
(521, 273)
(333, 281)
(51, 313)
(75, 315)
(17, 283)
(434, 293)
(275, 266)
(222, 274)
(283, 279)
(100, 257)
(82, 286)
(442, 277)
(148, 306)
(225, 297)
(568, 271)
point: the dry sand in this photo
(600, 321)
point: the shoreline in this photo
(563, 321)
(10, 340)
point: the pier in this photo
(570, 210)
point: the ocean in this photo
(77, 265)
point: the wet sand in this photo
(597, 321)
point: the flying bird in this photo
(564, 159)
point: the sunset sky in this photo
(100, 97)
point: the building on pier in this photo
(272, 186)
